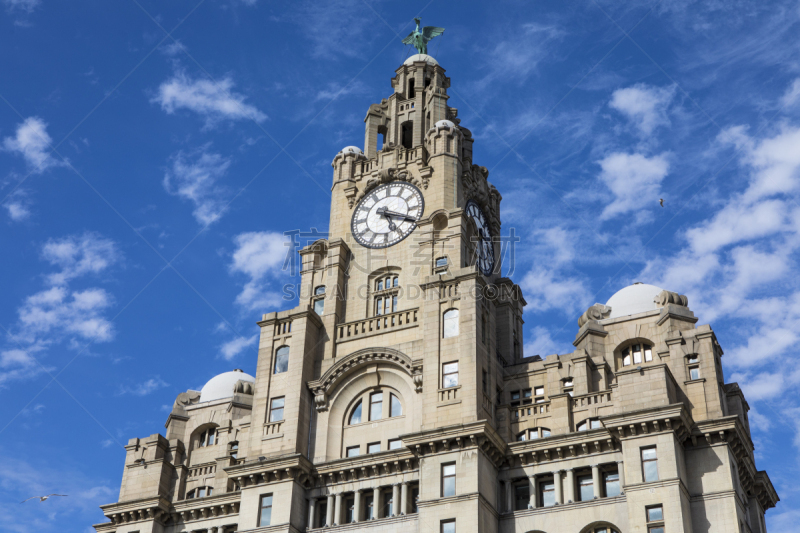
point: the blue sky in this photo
(152, 154)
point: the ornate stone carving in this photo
(595, 312)
(243, 387)
(417, 377)
(478, 188)
(385, 175)
(668, 297)
(185, 399)
(320, 400)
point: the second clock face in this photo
(387, 215)
(485, 248)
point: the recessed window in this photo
(448, 526)
(199, 492)
(533, 434)
(319, 290)
(208, 438)
(539, 393)
(380, 285)
(387, 503)
(353, 451)
(522, 496)
(449, 479)
(395, 407)
(441, 262)
(276, 409)
(655, 519)
(586, 488)
(265, 510)
(355, 416)
(282, 360)
(548, 489)
(450, 323)
(637, 353)
(395, 282)
(568, 386)
(350, 507)
(611, 480)
(374, 447)
(319, 306)
(692, 359)
(368, 505)
(375, 405)
(449, 375)
(694, 372)
(589, 423)
(395, 444)
(649, 464)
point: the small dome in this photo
(221, 386)
(444, 124)
(420, 57)
(633, 299)
(351, 150)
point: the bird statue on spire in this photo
(419, 38)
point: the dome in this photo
(633, 299)
(420, 57)
(444, 124)
(221, 386)
(351, 150)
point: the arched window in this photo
(355, 416)
(199, 492)
(450, 323)
(282, 359)
(589, 423)
(533, 434)
(207, 437)
(395, 407)
(319, 300)
(395, 281)
(636, 353)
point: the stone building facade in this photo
(395, 396)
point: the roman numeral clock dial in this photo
(387, 215)
(485, 249)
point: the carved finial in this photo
(595, 312)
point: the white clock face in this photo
(387, 215)
(485, 244)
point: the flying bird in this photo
(420, 36)
(662, 202)
(42, 498)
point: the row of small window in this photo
(633, 354)
(376, 408)
(199, 492)
(533, 434)
(526, 396)
(547, 491)
(370, 511)
(387, 283)
(385, 305)
(374, 447)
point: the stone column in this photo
(329, 513)
(404, 498)
(376, 503)
(396, 499)
(357, 506)
(557, 485)
(337, 512)
(596, 481)
(534, 499)
(570, 486)
(312, 511)
(621, 472)
(509, 497)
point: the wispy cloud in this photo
(24, 6)
(33, 143)
(260, 256)
(144, 388)
(234, 347)
(214, 101)
(645, 106)
(633, 180)
(194, 176)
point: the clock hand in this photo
(382, 212)
(387, 213)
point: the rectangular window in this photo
(448, 526)
(374, 447)
(522, 496)
(368, 505)
(655, 514)
(692, 359)
(395, 407)
(322, 512)
(265, 510)
(612, 484)
(379, 306)
(637, 354)
(276, 409)
(655, 529)
(441, 262)
(375, 405)
(649, 464)
(414, 499)
(319, 306)
(449, 479)
(387, 504)
(449, 375)
(648, 353)
(586, 488)
(350, 506)
(395, 444)
(548, 489)
(515, 397)
(526, 396)
(281, 360)
(394, 302)
(353, 451)
(694, 372)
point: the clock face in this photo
(485, 246)
(387, 215)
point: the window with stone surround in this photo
(368, 505)
(567, 386)
(586, 488)
(319, 299)
(522, 495)
(207, 438)
(533, 434)
(655, 519)
(350, 507)
(448, 479)
(281, 360)
(547, 493)
(387, 288)
(395, 444)
(612, 484)
(693, 364)
(355, 415)
(449, 375)
(589, 423)
(649, 464)
(373, 447)
(376, 406)
(199, 492)
(265, 510)
(276, 409)
(450, 323)
(353, 451)
(447, 526)
(395, 407)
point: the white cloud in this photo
(235, 346)
(25, 6)
(643, 105)
(545, 289)
(79, 255)
(144, 388)
(17, 211)
(259, 255)
(634, 179)
(792, 94)
(215, 101)
(542, 343)
(194, 177)
(34, 144)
